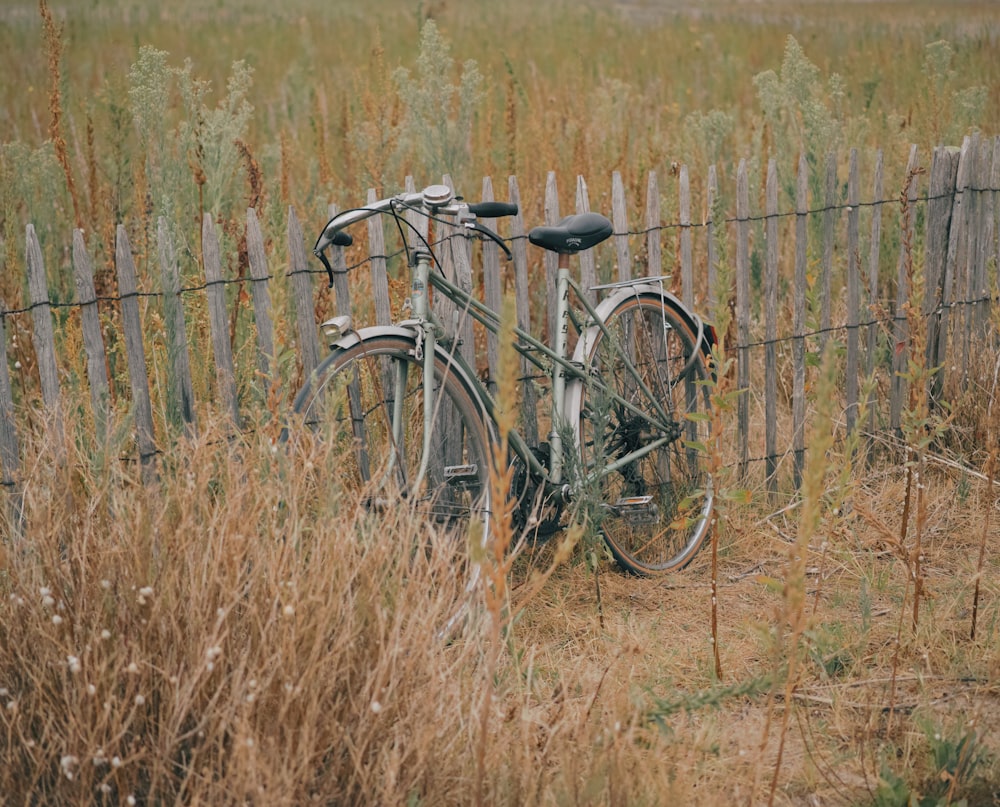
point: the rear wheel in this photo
(647, 391)
(368, 400)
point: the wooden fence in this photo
(939, 233)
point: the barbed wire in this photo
(389, 256)
(758, 343)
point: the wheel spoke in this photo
(369, 401)
(642, 368)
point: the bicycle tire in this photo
(455, 489)
(656, 510)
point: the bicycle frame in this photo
(561, 368)
(619, 404)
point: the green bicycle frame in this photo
(428, 329)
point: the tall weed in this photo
(438, 115)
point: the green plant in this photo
(828, 647)
(30, 178)
(802, 114)
(438, 115)
(953, 111)
(954, 760)
(192, 152)
(707, 134)
(662, 709)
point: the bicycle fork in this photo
(425, 349)
(426, 338)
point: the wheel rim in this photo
(351, 403)
(656, 509)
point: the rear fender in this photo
(588, 336)
(709, 338)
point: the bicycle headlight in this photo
(336, 327)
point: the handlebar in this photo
(493, 210)
(435, 199)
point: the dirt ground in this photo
(862, 707)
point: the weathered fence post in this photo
(338, 262)
(874, 251)
(522, 301)
(261, 300)
(980, 292)
(550, 259)
(492, 295)
(588, 266)
(342, 291)
(829, 219)
(221, 349)
(443, 306)
(379, 273)
(419, 224)
(460, 248)
(180, 389)
(743, 314)
(901, 328)
(43, 337)
(991, 183)
(9, 450)
(458, 268)
(799, 320)
(951, 315)
(654, 252)
(969, 269)
(853, 293)
(710, 230)
(619, 218)
(138, 376)
(302, 296)
(944, 170)
(771, 331)
(93, 340)
(687, 271)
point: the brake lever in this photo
(326, 263)
(479, 228)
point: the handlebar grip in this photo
(493, 210)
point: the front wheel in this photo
(369, 400)
(642, 431)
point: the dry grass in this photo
(243, 631)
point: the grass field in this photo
(575, 88)
(242, 632)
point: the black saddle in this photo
(572, 234)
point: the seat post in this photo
(559, 377)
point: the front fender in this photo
(456, 365)
(352, 337)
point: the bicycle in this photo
(629, 409)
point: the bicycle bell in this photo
(437, 195)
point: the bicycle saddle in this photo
(572, 234)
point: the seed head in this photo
(68, 763)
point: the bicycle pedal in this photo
(637, 509)
(461, 475)
(378, 504)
